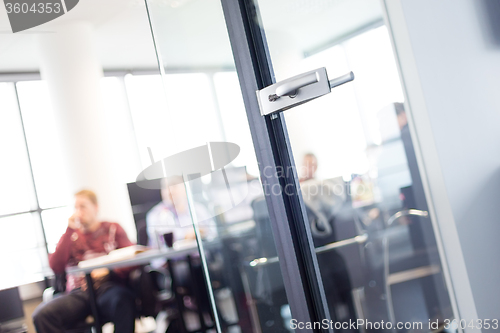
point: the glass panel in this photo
(204, 108)
(359, 178)
(120, 129)
(147, 106)
(46, 157)
(16, 191)
(152, 126)
(235, 123)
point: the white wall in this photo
(451, 70)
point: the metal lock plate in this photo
(293, 91)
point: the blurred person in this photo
(412, 196)
(410, 153)
(323, 198)
(418, 201)
(172, 215)
(401, 116)
(326, 204)
(309, 167)
(87, 237)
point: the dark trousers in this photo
(115, 304)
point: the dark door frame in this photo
(291, 231)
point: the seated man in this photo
(172, 215)
(86, 237)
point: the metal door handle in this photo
(301, 89)
(341, 80)
(290, 88)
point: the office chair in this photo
(179, 288)
(267, 281)
(182, 279)
(142, 283)
(142, 232)
(333, 268)
(58, 288)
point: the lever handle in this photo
(300, 89)
(341, 80)
(290, 88)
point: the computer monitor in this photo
(11, 308)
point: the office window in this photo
(20, 235)
(129, 105)
(188, 97)
(31, 160)
(55, 222)
(16, 191)
(23, 250)
(352, 115)
(32, 222)
(191, 103)
(146, 100)
(343, 153)
(120, 128)
(234, 120)
(43, 144)
(370, 54)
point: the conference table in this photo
(190, 250)
(139, 259)
(233, 232)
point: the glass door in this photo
(355, 157)
(312, 219)
(215, 192)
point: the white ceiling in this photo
(122, 36)
(191, 33)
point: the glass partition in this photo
(360, 181)
(213, 194)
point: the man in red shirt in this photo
(86, 237)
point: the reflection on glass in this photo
(202, 103)
(359, 176)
